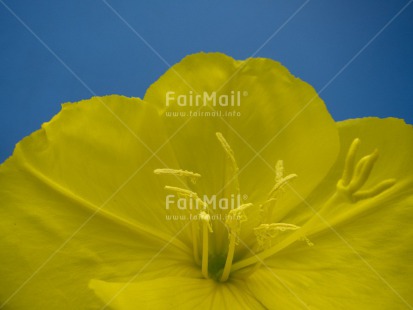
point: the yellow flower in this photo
(228, 186)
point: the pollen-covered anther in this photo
(281, 183)
(233, 163)
(279, 170)
(355, 175)
(234, 219)
(280, 179)
(266, 208)
(266, 232)
(179, 172)
(188, 194)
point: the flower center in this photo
(217, 265)
(203, 222)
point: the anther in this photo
(231, 157)
(179, 172)
(281, 183)
(279, 170)
(273, 196)
(266, 232)
(187, 193)
(234, 219)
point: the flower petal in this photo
(326, 288)
(392, 137)
(393, 140)
(281, 117)
(175, 293)
(79, 200)
(362, 250)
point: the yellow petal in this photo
(361, 258)
(79, 200)
(175, 293)
(103, 147)
(281, 117)
(393, 140)
(326, 288)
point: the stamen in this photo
(231, 156)
(309, 243)
(279, 170)
(206, 228)
(266, 253)
(195, 233)
(266, 232)
(264, 209)
(235, 218)
(182, 173)
(233, 222)
(280, 183)
(187, 193)
(194, 225)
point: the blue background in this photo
(71, 50)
